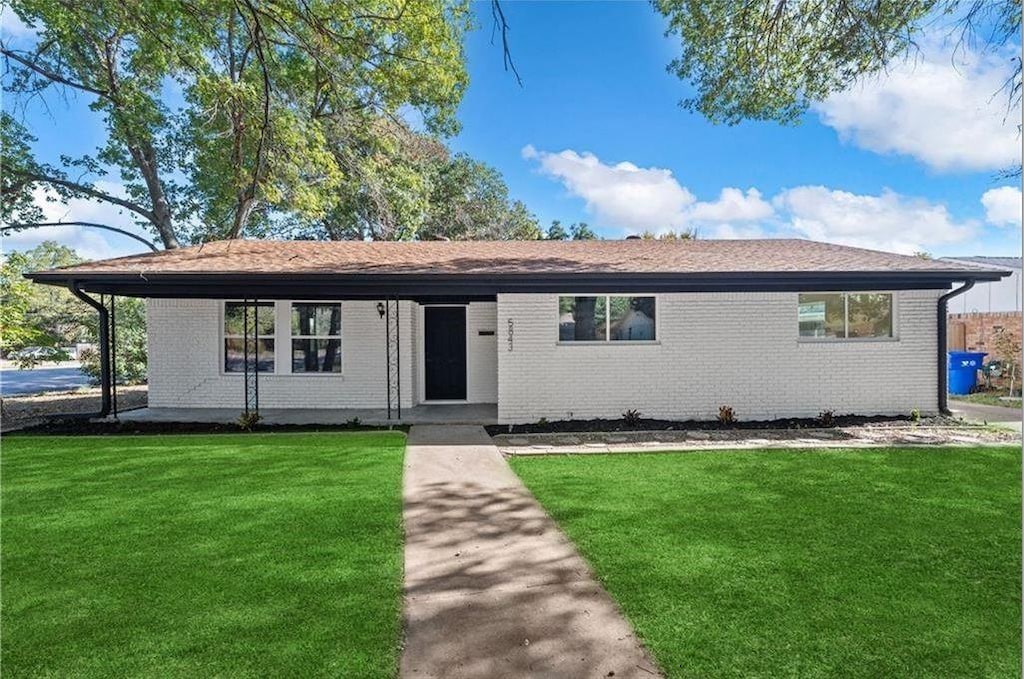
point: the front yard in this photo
(256, 555)
(884, 562)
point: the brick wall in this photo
(186, 369)
(739, 349)
(978, 330)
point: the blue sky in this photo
(904, 162)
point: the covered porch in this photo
(431, 413)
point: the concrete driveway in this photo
(493, 588)
(984, 413)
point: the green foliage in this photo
(44, 315)
(274, 96)
(577, 231)
(248, 421)
(682, 234)
(406, 186)
(130, 358)
(768, 60)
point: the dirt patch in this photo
(18, 412)
(791, 423)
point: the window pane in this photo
(870, 315)
(316, 355)
(234, 318)
(581, 319)
(632, 318)
(316, 319)
(822, 315)
(234, 355)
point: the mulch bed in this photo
(112, 428)
(601, 425)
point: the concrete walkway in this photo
(492, 587)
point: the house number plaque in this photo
(511, 332)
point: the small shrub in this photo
(248, 421)
(631, 417)
(915, 416)
(352, 423)
(542, 421)
(726, 415)
(827, 418)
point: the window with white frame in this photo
(316, 337)
(607, 318)
(259, 321)
(845, 315)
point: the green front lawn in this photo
(229, 555)
(881, 563)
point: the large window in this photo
(316, 337)
(606, 318)
(845, 315)
(261, 318)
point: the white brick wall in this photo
(737, 349)
(186, 369)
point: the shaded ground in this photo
(40, 380)
(877, 562)
(248, 555)
(17, 412)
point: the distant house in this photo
(994, 296)
(541, 329)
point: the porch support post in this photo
(113, 353)
(393, 355)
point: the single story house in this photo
(541, 329)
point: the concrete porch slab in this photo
(458, 413)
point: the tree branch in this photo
(51, 75)
(37, 225)
(87, 190)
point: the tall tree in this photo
(769, 59)
(270, 88)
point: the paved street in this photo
(40, 380)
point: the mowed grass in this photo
(247, 555)
(824, 563)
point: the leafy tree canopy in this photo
(41, 314)
(577, 231)
(276, 98)
(769, 59)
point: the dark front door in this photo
(444, 349)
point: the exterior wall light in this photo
(381, 309)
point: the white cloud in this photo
(733, 206)
(888, 221)
(623, 194)
(644, 198)
(1003, 206)
(948, 111)
(630, 199)
(88, 242)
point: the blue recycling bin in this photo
(963, 370)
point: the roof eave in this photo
(414, 285)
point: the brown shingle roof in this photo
(513, 257)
